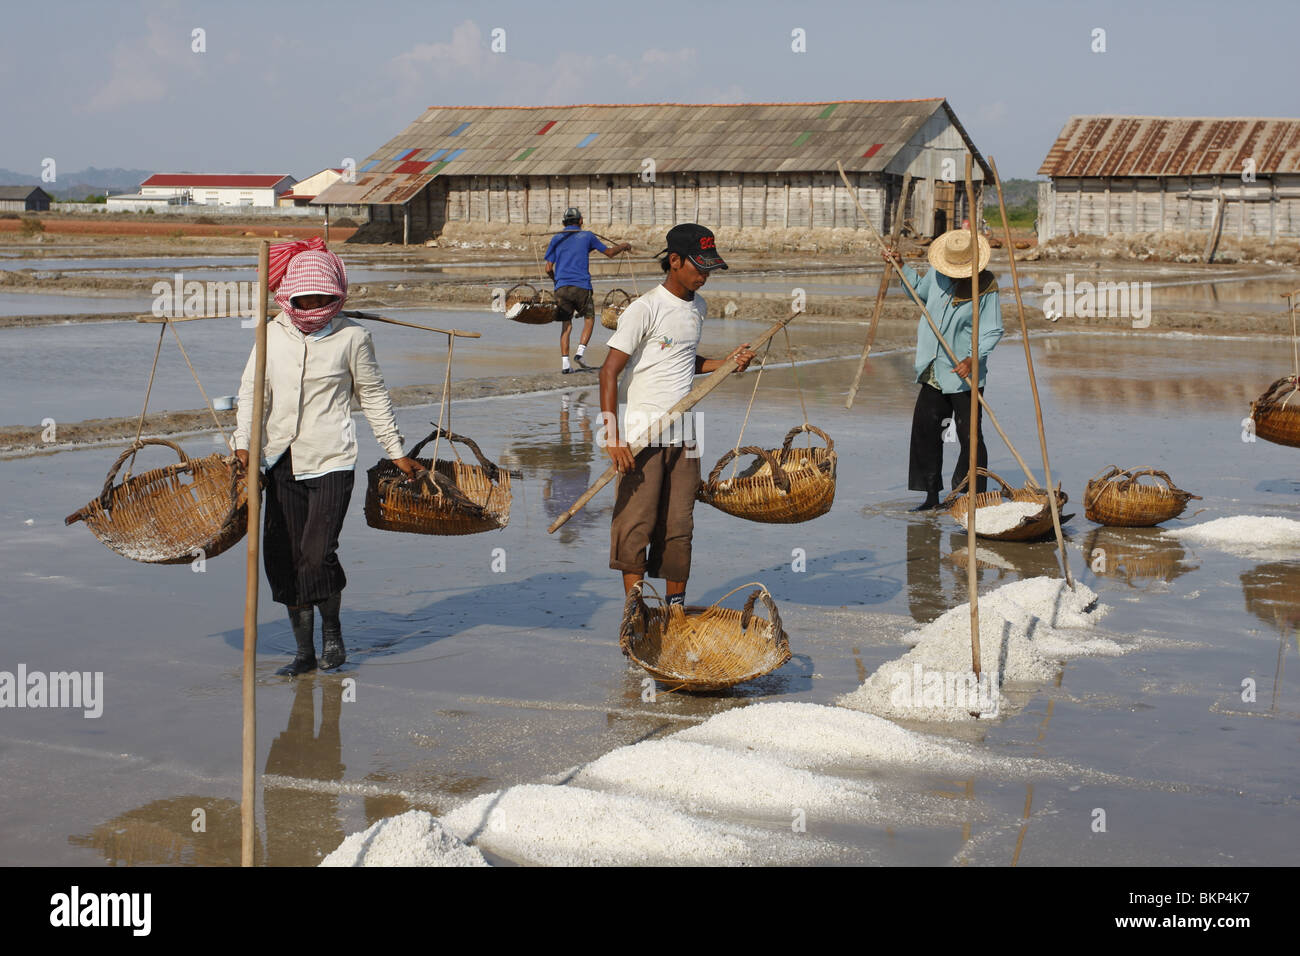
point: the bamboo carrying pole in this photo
(674, 414)
(972, 444)
(1033, 482)
(247, 810)
(459, 333)
(895, 232)
(1033, 381)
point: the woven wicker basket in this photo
(1276, 413)
(1031, 527)
(538, 307)
(160, 517)
(788, 486)
(1115, 498)
(395, 504)
(615, 301)
(703, 648)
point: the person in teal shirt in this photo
(943, 403)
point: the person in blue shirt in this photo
(943, 404)
(566, 263)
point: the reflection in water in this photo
(302, 826)
(163, 832)
(1138, 556)
(1272, 593)
(564, 466)
(925, 600)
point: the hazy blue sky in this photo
(292, 87)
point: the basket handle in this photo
(779, 476)
(1135, 474)
(805, 427)
(1273, 393)
(987, 474)
(523, 285)
(494, 472)
(760, 593)
(106, 495)
(634, 611)
(605, 303)
(1098, 481)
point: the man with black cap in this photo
(566, 263)
(657, 339)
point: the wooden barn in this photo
(751, 166)
(23, 199)
(1130, 174)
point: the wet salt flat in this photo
(100, 370)
(34, 303)
(470, 681)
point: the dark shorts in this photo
(654, 513)
(571, 300)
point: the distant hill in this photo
(82, 183)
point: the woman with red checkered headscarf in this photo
(317, 361)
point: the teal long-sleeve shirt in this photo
(954, 321)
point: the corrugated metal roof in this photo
(1173, 146)
(610, 139)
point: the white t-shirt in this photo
(661, 334)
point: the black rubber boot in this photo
(927, 505)
(331, 632)
(303, 620)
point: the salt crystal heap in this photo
(414, 838)
(1025, 627)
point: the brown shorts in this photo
(655, 509)
(571, 300)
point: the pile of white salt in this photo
(995, 519)
(1265, 535)
(1025, 628)
(414, 838)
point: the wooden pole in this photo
(1033, 381)
(1033, 482)
(972, 443)
(660, 425)
(896, 228)
(350, 313)
(252, 571)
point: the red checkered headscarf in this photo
(313, 272)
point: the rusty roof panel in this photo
(1091, 146)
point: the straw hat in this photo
(950, 254)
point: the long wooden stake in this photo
(459, 333)
(252, 571)
(1033, 482)
(1033, 381)
(972, 443)
(894, 233)
(661, 425)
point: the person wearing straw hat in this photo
(567, 264)
(944, 399)
(658, 339)
(316, 362)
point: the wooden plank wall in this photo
(717, 200)
(1268, 208)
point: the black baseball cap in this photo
(692, 241)
(572, 214)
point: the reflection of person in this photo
(925, 598)
(316, 362)
(566, 263)
(571, 475)
(945, 388)
(302, 826)
(658, 338)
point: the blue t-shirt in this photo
(569, 250)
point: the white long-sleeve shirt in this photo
(310, 383)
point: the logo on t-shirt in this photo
(665, 341)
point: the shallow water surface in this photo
(477, 668)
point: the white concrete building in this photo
(219, 190)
